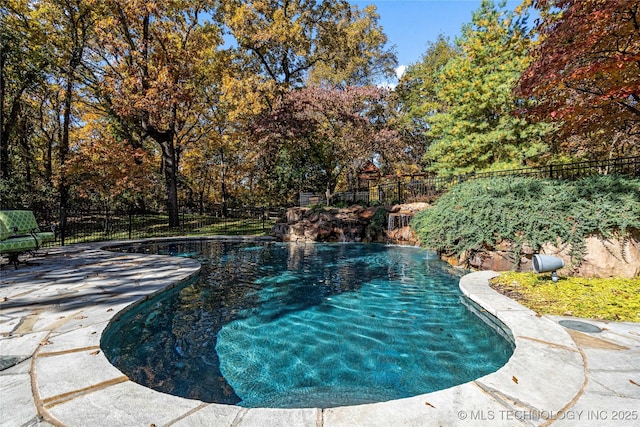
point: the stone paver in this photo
(53, 372)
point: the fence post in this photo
(63, 224)
(130, 222)
(551, 171)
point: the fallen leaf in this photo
(634, 383)
(45, 342)
(80, 317)
(514, 379)
(429, 404)
(93, 353)
(111, 309)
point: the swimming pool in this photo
(304, 325)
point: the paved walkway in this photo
(53, 313)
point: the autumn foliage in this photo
(324, 134)
(116, 171)
(586, 74)
(192, 103)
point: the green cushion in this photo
(45, 236)
(19, 222)
(4, 232)
(17, 244)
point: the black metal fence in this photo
(100, 225)
(105, 225)
(409, 189)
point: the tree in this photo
(284, 45)
(42, 67)
(476, 127)
(290, 40)
(71, 22)
(24, 63)
(417, 95)
(118, 172)
(314, 135)
(152, 52)
(361, 54)
(586, 74)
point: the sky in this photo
(411, 24)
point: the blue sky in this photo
(412, 24)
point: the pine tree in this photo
(478, 127)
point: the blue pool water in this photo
(304, 325)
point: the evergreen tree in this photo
(477, 127)
(417, 94)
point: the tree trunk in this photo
(7, 125)
(201, 201)
(223, 187)
(4, 149)
(63, 151)
(165, 140)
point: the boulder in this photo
(352, 224)
(296, 214)
(317, 231)
(604, 257)
(367, 214)
(410, 207)
(403, 236)
(495, 260)
(282, 230)
(326, 225)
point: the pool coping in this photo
(72, 382)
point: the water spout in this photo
(398, 231)
(399, 220)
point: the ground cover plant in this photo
(479, 215)
(614, 299)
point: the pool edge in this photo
(527, 389)
(545, 376)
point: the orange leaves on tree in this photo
(105, 169)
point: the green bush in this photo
(379, 221)
(481, 213)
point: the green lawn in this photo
(97, 228)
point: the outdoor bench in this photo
(19, 233)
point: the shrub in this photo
(379, 221)
(480, 214)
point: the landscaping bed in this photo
(614, 299)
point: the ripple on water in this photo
(306, 326)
